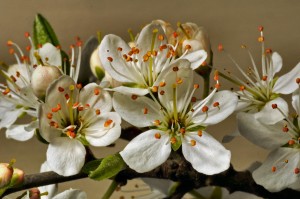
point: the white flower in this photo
(282, 167)
(140, 67)
(176, 121)
(50, 189)
(71, 117)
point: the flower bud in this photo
(96, 65)
(17, 177)
(6, 172)
(42, 77)
(166, 27)
(34, 193)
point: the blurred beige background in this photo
(231, 22)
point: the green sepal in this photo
(39, 137)
(132, 85)
(91, 166)
(216, 194)
(109, 167)
(43, 32)
(99, 73)
(196, 128)
(84, 141)
(177, 144)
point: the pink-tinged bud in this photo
(6, 172)
(34, 193)
(17, 178)
(42, 77)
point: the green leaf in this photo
(177, 144)
(109, 167)
(133, 85)
(99, 72)
(43, 32)
(91, 166)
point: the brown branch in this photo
(176, 168)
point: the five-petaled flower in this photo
(72, 117)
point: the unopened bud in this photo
(42, 77)
(6, 172)
(17, 178)
(96, 65)
(34, 193)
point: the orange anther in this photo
(264, 78)
(75, 105)
(49, 116)
(220, 47)
(291, 142)
(182, 130)
(60, 89)
(80, 108)
(179, 80)
(216, 104)
(175, 68)
(71, 134)
(9, 43)
(217, 86)
(285, 129)
(13, 78)
(27, 34)
(39, 45)
(200, 133)
(28, 48)
(187, 47)
(269, 51)
(145, 111)
(175, 34)
(162, 84)
(18, 74)
(260, 28)
(261, 39)
(145, 58)
(162, 92)
(296, 170)
(157, 135)
(79, 43)
(160, 37)
(196, 86)
(97, 111)
(108, 123)
(204, 63)
(274, 106)
(79, 86)
(286, 161)
(154, 53)
(194, 99)
(96, 91)
(119, 49)
(134, 97)
(204, 109)
(58, 47)
(110, 59)
(6, 91)
(242, 88)
(156, 122)
(162, 47)
(193, 142)
(67, 96)
(57, 108)
(173, 140)
(298, 80)
(11, 51)
(154, 89)
(273, 169)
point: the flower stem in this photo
(112, 187)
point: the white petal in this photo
(296, 102)
(227, 102)
(208, 156)
(10, 117)
(51, 189)
(18, 132)
(22, 69)
(52, 53)
(268, 115)
(145, 152)
(66, 156)
(71, 194)
(129, 90)
(276, 64)
(119, 69)
(284, 176)
(266, 136)
(196, 58)
(98, 135)
(286, 84)
(162, 185)
(133, 111)
(101, 101)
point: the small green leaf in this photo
(39, 137)
(133, 85)
(91, 166)
(177, 144)
(43, 32)
(99, 72)
(109, 167)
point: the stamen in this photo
(145, 110)
(134, 97)
(204, 109)
(49, 116)
(296, 170)
(216, 104)
(108, 123)
(154, 89)
(162, 92)
(97, 111)
(131, 35)
(156, 122)
(273, 169)
(291, 142)
(96, 91)
(57, 108)
(193, 142)
(220, 48)
(183, 30)
(162, 84)
(110, 59)
(200, 133)
(173, 140)
(182, 131)
(157, 135)
(274, 106)
(60, 89)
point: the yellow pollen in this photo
(71, 87)
(7, 90)
(179, 80)
(97, 111)
(157, 135)
(188, 47)
(149, 53)
(145, 58)
(160, 37)
(108, 123)
(193, 142)
(156, 122)
(261, 39)
(200, 133)
(145, 111)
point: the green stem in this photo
(110, 190)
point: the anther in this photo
(71, 87)
(200, 133)
(160, 37)
(193, 142)
(243, 46)
(175, 68)
(26, 34)
(157, 135)
(13, 78)
(162, 47)
(154, 89)
(298, 80)
(260, 28)
(194, 99)
(269, 51)
(182, 130)
(156, 122)
(217, 86)
(134, 97)
(162, 84)
(264, 78)
(204, 109)
(96, 91)
(175, 34)
(220, 47)
(9, 43)
(67, 96)
(60, 89)
(18, 74)
(11, 51)
(49, 116)
(97, 111)
(6, 91)
(108, 123)
(285, 129)
(296, 170)
(110, 59)
(261, 39)
(80, 108)
(57, 108)
(242, 88)
(274, 106)
(173, 140)
(196, 86)
(286, 161)
(291, 142)
(28, 48)
(145, 58)
(79, 86)
(179, 80)
(188, 47)
(145, 110)
(216, 104)
(273, 169)
(119, 49)
(216, 75)
(162, 92)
